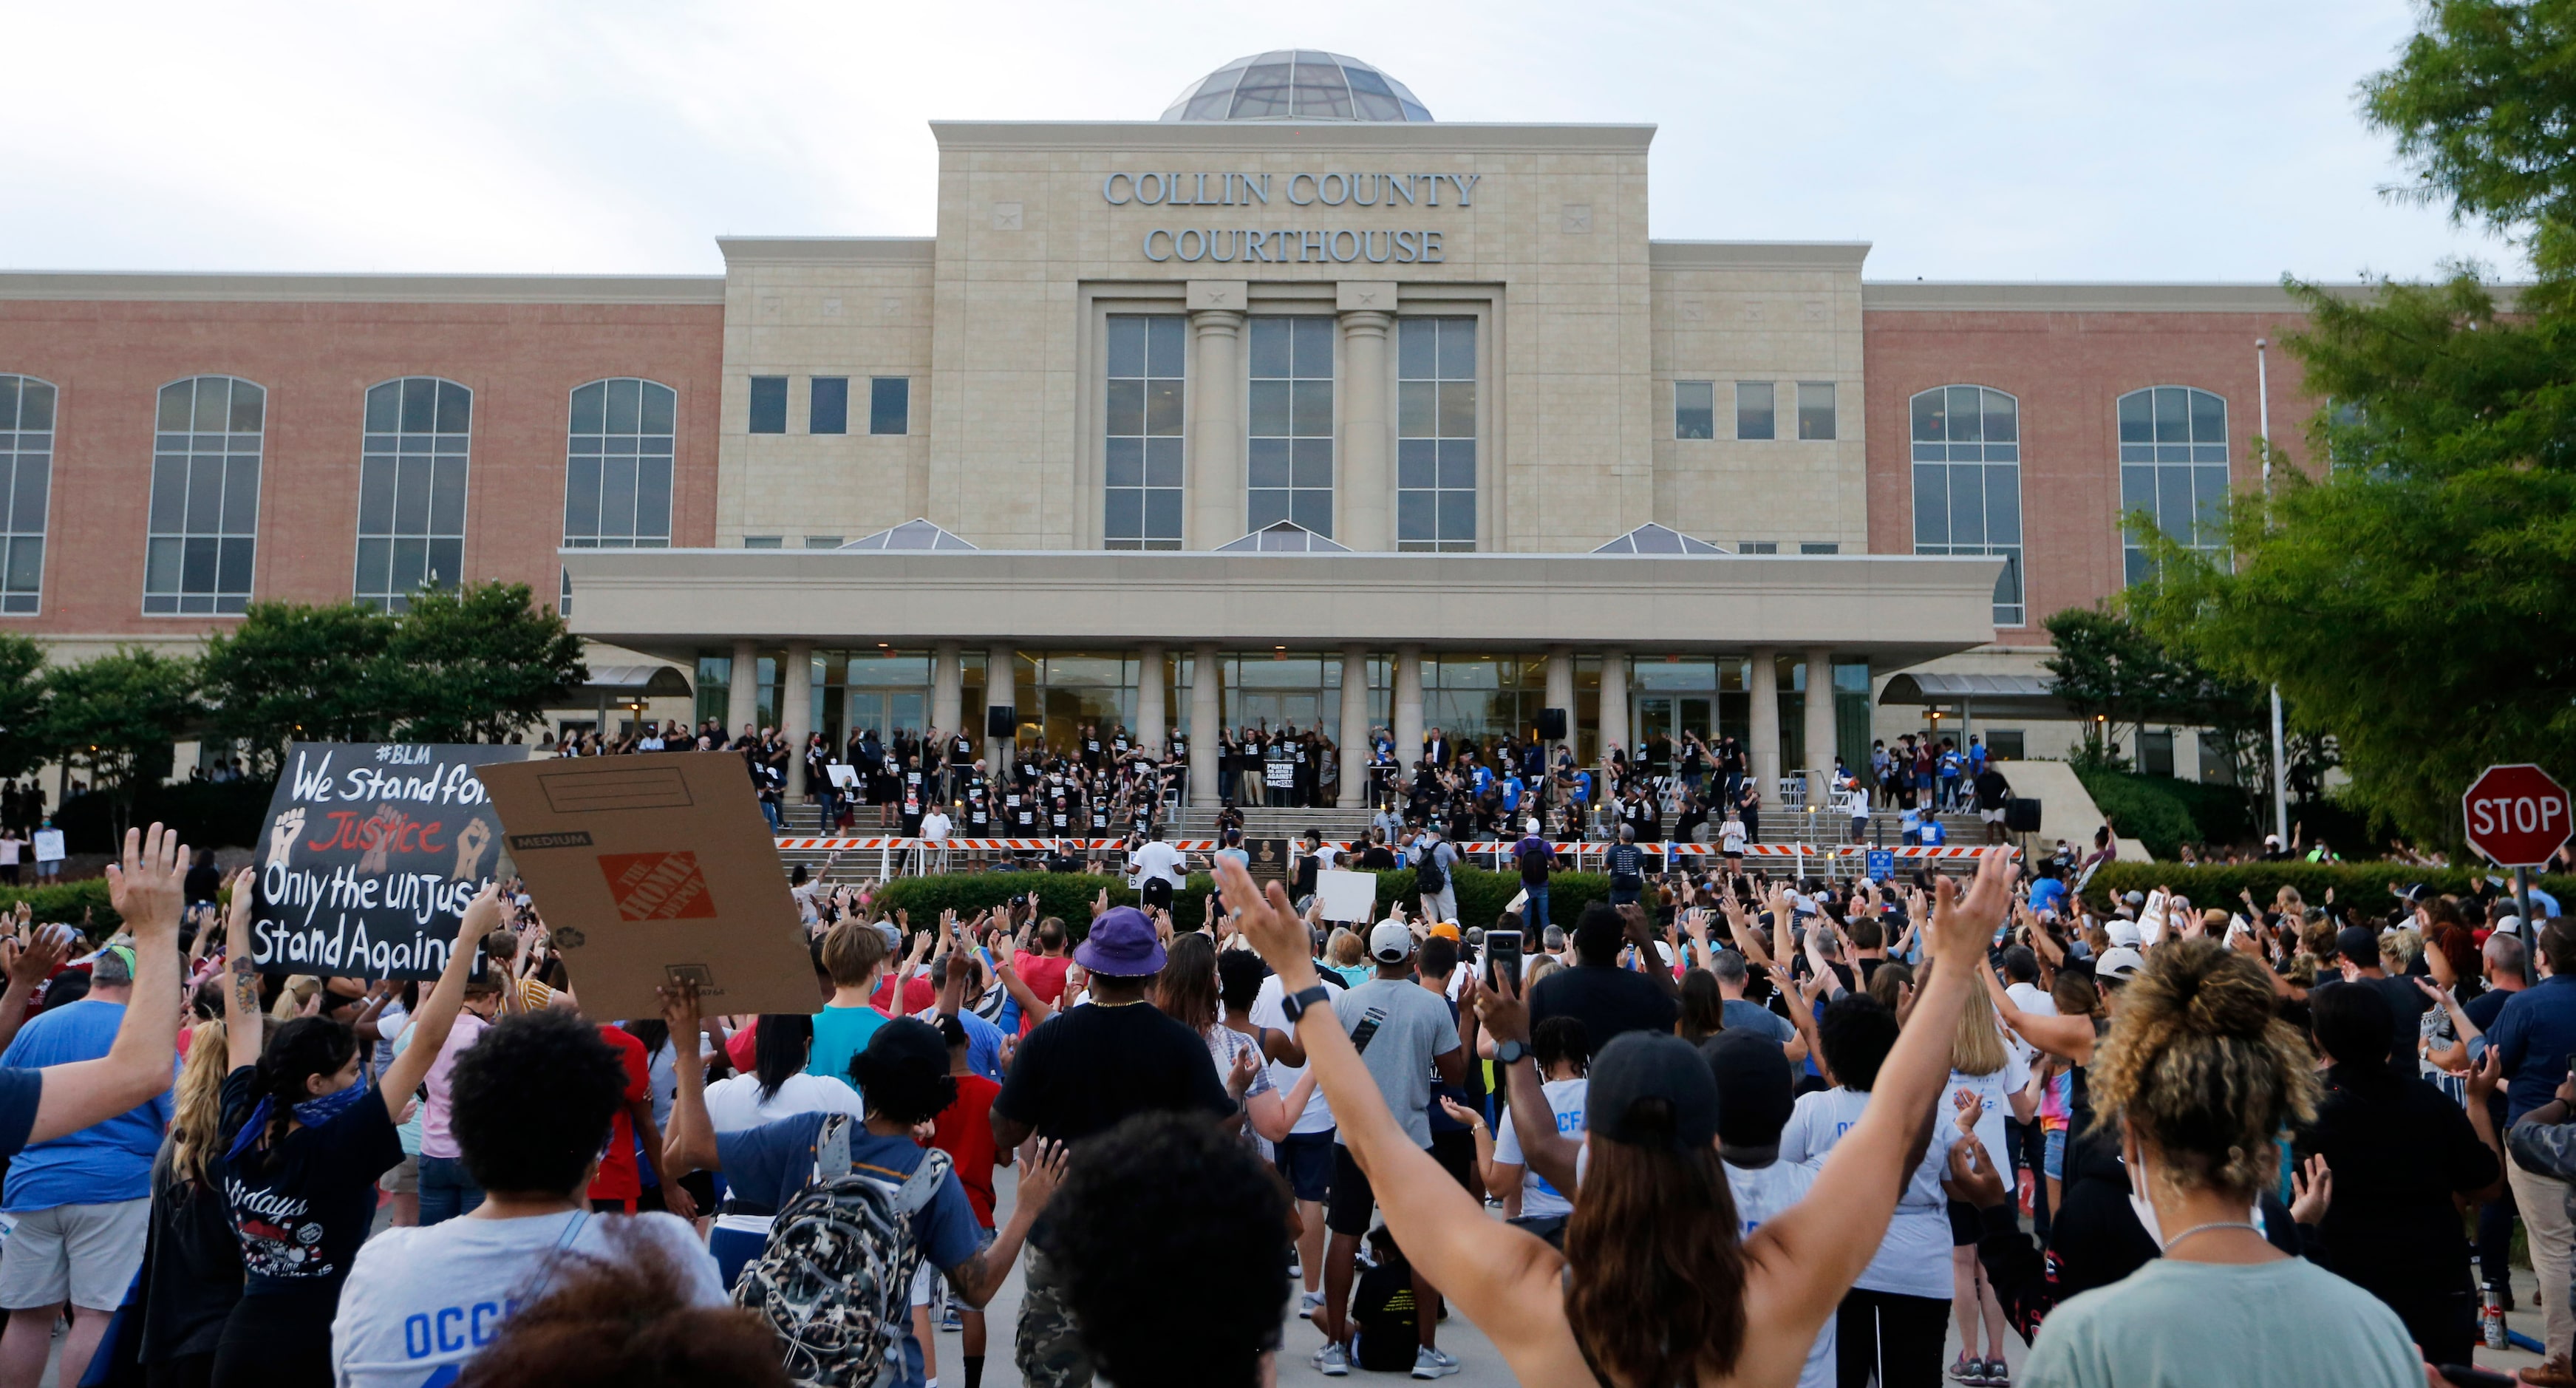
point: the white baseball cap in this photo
(2124, 935)
(1390, 943)
(2119, 963)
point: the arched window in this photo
(617, 484)
(204, 519)
(1967, 483)
(2173, 466)
(26, 480)
(411, 489)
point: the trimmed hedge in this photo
(2369, 886)
(1481, 895)
(65, 902)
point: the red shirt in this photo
(918, 995)
(742, 1048)
(1045, 976)
(964, 1131)
(617, 1179)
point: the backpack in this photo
(835, 1280)
(1428, 877)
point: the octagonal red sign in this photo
(2516, 815)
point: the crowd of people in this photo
(1719, 1128)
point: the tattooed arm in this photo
(977, 1278)
(243, 1032)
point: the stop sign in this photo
(2516, 815)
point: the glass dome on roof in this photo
(1297, 84)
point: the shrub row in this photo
(1482, 895)
(2372, 887)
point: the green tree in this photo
(117, 715)
(2417, 594)
(23, 743)
(481, 663)
(2109, 672)
(292, 671)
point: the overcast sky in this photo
(2178, 140)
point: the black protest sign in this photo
(372, 851)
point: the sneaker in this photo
(1971, 1372)
(1296, 1269)
(951, 1320)
(1331, 1361)
(1998, 1373)
(1308, 1304)
(1431, 1363)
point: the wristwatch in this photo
(1510, 1053)
(1294, 1005)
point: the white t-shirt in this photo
(935, 825)
(1539, 1197)
(1762, 1194)
(1266, 1012)
(421, 1299)
(1914, 1258)
(734, 1103)
(1156, 858)
(9, 846)
(2030, 998)
(1996, 1091)
(1731, 836)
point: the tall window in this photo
(1753, 410)
(1435, 447)
(1967, 483)
(1815, 409)
(2173, 466)
(411, 489)
(26, 478)
(204, 519)
(889, 405)
(828, 410)
(1143, 430)
(1694, 410)
(617, 486)
(769, 404)
(1291, 471)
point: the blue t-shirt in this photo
(1742, 1014)
(983, 1045)
(2048, 894)
(1933, 834)
(20, 1091)
(102, 1163)
(2535, 1031)
(771, 1163)
(840, 1033)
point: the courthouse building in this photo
(1292, 405)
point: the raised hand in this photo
(1499, 1009)
(148, 884)
(680, 1006)
(1042, 1166)
(2312, 1189)
(1972, 1176)
(1963, 923)
(45, 952)
(1269, 923)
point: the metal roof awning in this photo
(2027, 694)
(615, 683)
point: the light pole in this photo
(2280, 760)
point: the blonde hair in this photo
(852, 950)
(1976, 1045)
(1345, 947)
(2201, 1066)
(197, 1110)
(1540, 968)
(2404, 945)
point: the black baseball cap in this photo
(2357, 944)
(1642, 1066)
(1753, 1092)
(907, 1041)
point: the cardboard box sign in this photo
(655, 868)
(371, 852)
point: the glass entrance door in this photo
(1671, 715)
(889, 711)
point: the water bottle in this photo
(2491, 1316)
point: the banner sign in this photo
(371, 853)
(649, 870)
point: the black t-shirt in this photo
(1627, 864)
(1390, 1325)
(1607, 1001)
(192, 1269)
(302, 1214)
(1084, 1070)
(2406, 1005)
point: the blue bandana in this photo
(312, 1113)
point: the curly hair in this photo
(626, 1321)
(1163, 1211)
(2199, 1063)
(531, 1102)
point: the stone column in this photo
(796, 712)
(1765, 686)
(1207, 709)
(947, 690)
(1149, 698)
(1216, 427)
(1001, 690)
(1355, 727)
(1820, 723)
(1408, 709)
(1614, 702)
(742, 692)
(1560, 691)
(1367, 490)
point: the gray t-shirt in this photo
(2285, 1324)
(1751, 1016)
(1411, 1025)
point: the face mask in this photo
(2135, 1159)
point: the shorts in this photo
(1306, 1161)
(1157, 894)
(1441, 905)
(403, 1179)
(2052, 1159)
(1967, 1227)
(1353, 1204)
(1991, 816)
(87, 1254)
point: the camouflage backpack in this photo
(835, 1280)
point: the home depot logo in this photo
(657, 886)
